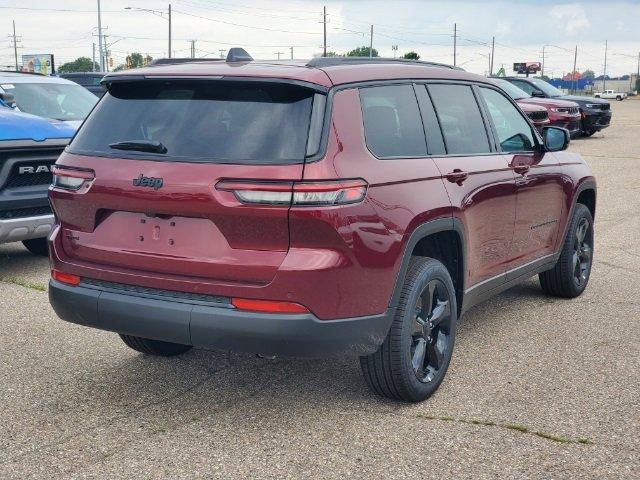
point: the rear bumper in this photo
(213, 323)
(17, 229)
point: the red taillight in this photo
(67, 278)
(297, 194)
(268, 306)
(71, 178)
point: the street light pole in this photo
(169, 30)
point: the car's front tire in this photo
(154, 347)
(413, 360)
(37, 246)
(570, 275)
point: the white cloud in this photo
(571, 17)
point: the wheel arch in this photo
(442, 239)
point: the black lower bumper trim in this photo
(216, 326)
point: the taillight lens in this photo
(297, 194)
(71, 178)
(66, 278)
(268, 306)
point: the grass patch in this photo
(41, 287)
(509, 426)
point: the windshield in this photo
(513, 91)
(52, 100)
(227, 122)
(547, 88)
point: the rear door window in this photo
(392, 123)
(460, 119)
(209, 121)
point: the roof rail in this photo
(320, 62)
(176, 61)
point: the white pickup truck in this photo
(611, 94)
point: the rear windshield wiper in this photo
(140, 146)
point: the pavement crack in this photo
(41, 287)
(508, 426)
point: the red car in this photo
(562, 113)
(537, 114)
(339, 206)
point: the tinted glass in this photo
(53, 100)
(392, 123)
(202, 121)
(547, 88)
(514, 132)
(514, 92)
(524, 86)
(460, 119)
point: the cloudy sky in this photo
(67, 28)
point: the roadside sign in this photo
(38, 63)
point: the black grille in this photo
(604, 106)
(17, 179)
(13, 159)
(25, 212)
(538, 116)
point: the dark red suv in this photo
(338, 206)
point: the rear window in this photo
(217, 121)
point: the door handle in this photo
(522, 169)
(457, 176)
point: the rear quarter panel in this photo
(371, 237)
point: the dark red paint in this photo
(338, 262)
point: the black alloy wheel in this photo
(431, 337)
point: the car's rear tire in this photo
(413, 360)
(570, 275)
(37, 246)
(619, 98)
(154, 347)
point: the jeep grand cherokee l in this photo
(596, 113)
(308, 209)
(561, 113)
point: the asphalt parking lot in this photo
(538, 387)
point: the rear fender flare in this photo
(422, 231)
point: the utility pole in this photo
(455, 42)
(106, 55)
(542, 69)
(637, 75)
(100, 47)
(371, 43)
(193, 48)
(604, 77)
(573, 77)
(15, 45)
(493, 49)
(324, 52)
(291, 48)
(93, 57)
(169, 30)
(278, 54)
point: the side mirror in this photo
(8, 99)
(556, 139)
(537, 93)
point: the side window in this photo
(526, 86)
(392, 124)
(514, 132)
(460, 119)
